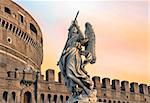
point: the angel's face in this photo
(73, 30)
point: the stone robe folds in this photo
(70, 62)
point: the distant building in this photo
(21, 56)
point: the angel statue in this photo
(78, 52)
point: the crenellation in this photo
(116, 84)
(134, 87)
(97, 84)
(96, 80)
(106, 83)
(60, 78)
(148, 90)
(143, 89)
(125, 86)
(116, 88)
(50, 75)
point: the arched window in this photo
(55, 99)
(67, 97)
(118, 101)
(14, 29)
(49, 98)
(6, 25)
(33, 28)
(7, 10)
(22, 34)
(42, 98)
(17, 30)
(27, 97)
(3, 23)
(10, 27)
(61, 99)
(14, 96)
(105, 100)
(109, 101)
(19, 33)
(5, 96)
(100, 100)
(114, 101)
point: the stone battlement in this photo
(107, 90)
(115, 84)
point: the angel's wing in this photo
(90, 46)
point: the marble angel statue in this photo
(72, 64)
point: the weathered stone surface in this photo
(22, 53)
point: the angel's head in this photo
(72, 31)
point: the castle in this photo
(21, 56)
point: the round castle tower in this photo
(21, 42)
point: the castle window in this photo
(42, 98)
(61, 99)
(109, 101)
(17, 30)
(49, 98)
(3, 23)
(26, 38)
(105, 100)
(14, 29)
(7, 25)
(19, 33)
(29, 40)
(14, 96)
(28, 97)
(100, 100)
(67, 97)
(10, 27)
(5, 96)
(7, 10)
(9, 40)
(32, 28)
(55, 99)
(21, 18)
(22, 34)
